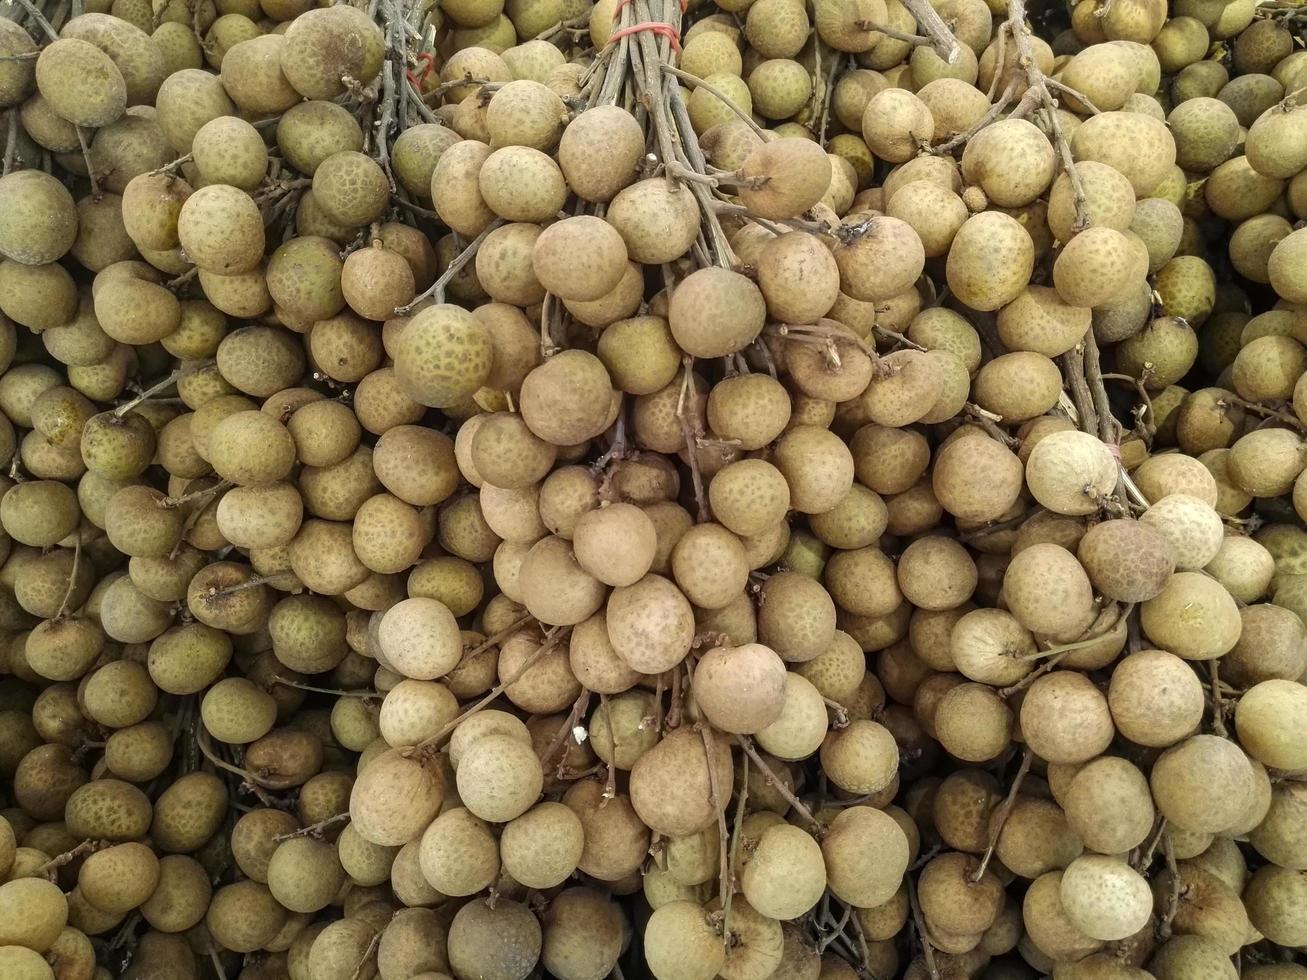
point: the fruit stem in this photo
(96, 195)
(34, 12)
(160, 385)
(437, 288)
(1218, 703)
(48, 869)
(170, 503)
(1173, 894)
(927, 947)
(555, 636)
(943, 40)
(723, 841)
(733, 859)
(248, 779)
(996, 826)
(565, 729)
(314, 829)
(72, 578)
(286, 682)
(11, 140)
(694, 81)
(746, 743)
(690, 434)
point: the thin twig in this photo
(943, 40)
(555, 636)
(927, 947)
(72, 577)
(1001, 815)
(437, 289)
(90, 164)
(34, 12)
(49, 869)
(314, 829)
(723, 840)
(1173, 894)
(746, 743)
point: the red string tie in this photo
(654, 26)
(428, 62)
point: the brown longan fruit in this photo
(394, 798)
(670, 783)
(657, 221)
(35, 913)
(244, 916)
(1138, 683)
(119, 878)
(180, 898)
(304, 874)
(976, 479)
(1108, 805)
(1064, 718)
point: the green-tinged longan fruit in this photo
(37, 296)
(180, 898)
(228, 150)
(237, 712)
(81, 83)
(244, 916)
(309, 132)
(1136, 145)
(35, 912)
(188, 813)
(39, 224)
(444, 355)
(18, 78)
(327, 50)
(251, 447)
(1202, 783)
(1269, 719)
(140, 523)
(39, 513)
(681, 943)
(139, 753)
(503, 941)
(188, 658)
(866, 854)
(118, 447)
(990, 260)
(119, 878)
(350, 188)
(796, 617)
(220, 228)
(1274, 141)
(186, 101)
(1011, 161)
(658, 221)
(304, 874)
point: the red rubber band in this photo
(428, 61)
(655, 26)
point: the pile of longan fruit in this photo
(770, 490)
